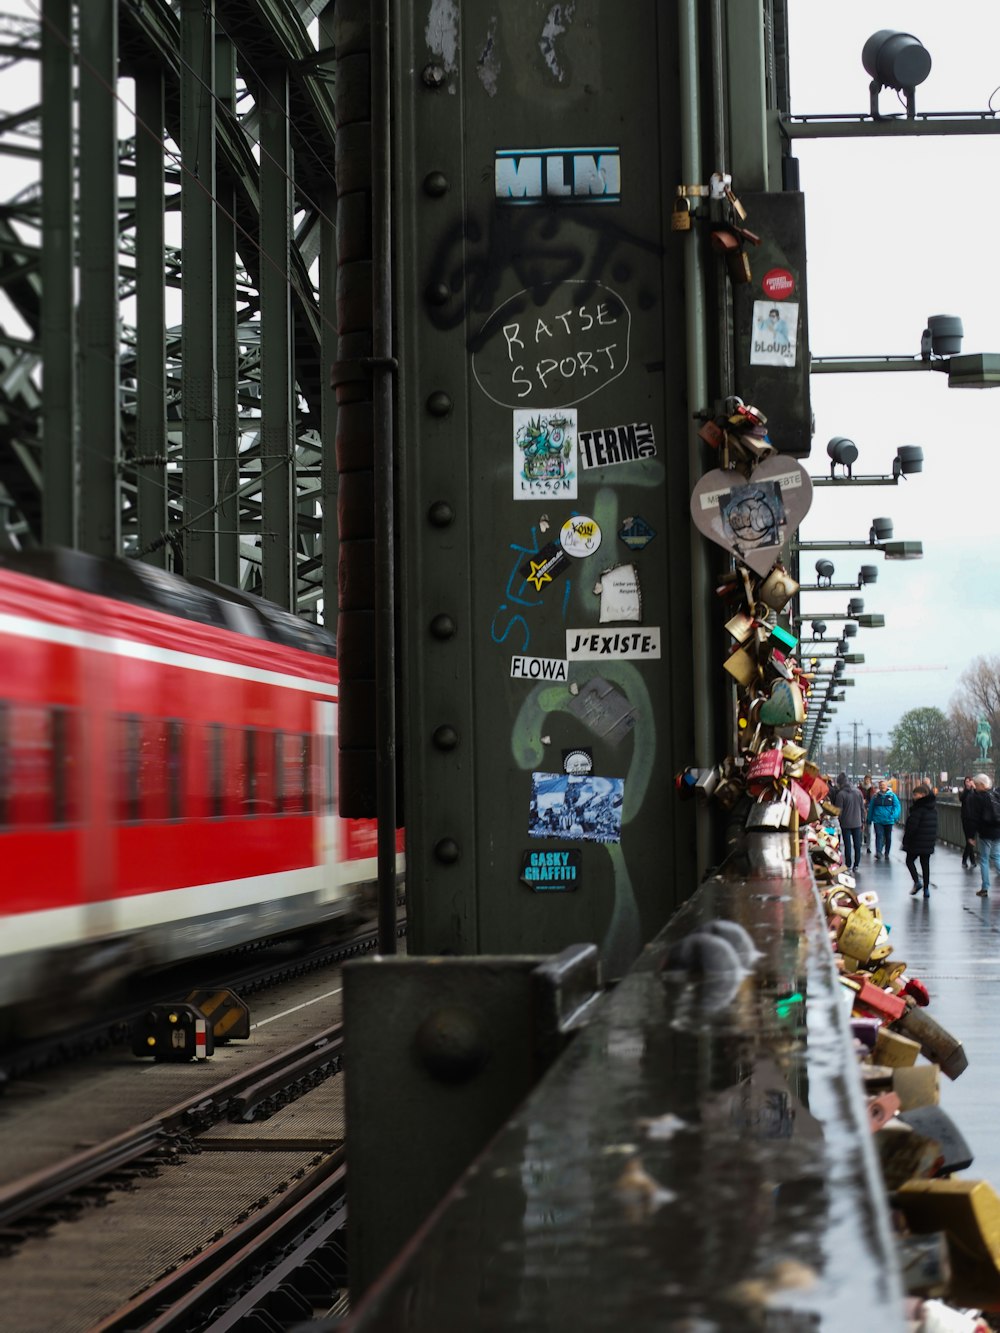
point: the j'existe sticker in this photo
(616, 444)
(545, 454)
(588, 645)
(581, 809)
(552, 871)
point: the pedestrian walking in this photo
(883, 812)
(920, 836)
(867, 789)
(984, 817)
(852, 817)
(969, 853)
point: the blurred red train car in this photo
(167, 773)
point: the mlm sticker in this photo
(616, 444)
(557, 872)
(545, 454)
(775, 327)
(580, 537)
(588, 645)
(538, 668)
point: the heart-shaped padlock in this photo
(753, 519)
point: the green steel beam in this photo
(58, 337)
(98, 365)
(227, 347)
(198, 187)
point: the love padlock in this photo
(680, 218)
(861, 930)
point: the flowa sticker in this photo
(587, 645)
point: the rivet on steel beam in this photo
(445, 738)
(437, 293)
(451, 1045)
(447, 851)
(439, 403)
(432, 76)
(441, 514)
(443, 627)
(436, 184)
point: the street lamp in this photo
(843, 453)
(895, 60)
(824, 578)
(879, 539)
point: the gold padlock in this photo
(861, 930)
(680, 218)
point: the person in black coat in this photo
(920, 836)
(969, 853)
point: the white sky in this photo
(896, 231)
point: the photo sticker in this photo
(773, 338)
(581, 809)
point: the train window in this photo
(279, 772)
(330, 760)
(4, 763)
(175, 768)
(295, 774)
(307, 782)
(65, 766)
(29, 765)
(154, 803)
(128, 742)
(215, 769)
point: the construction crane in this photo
(859, 670)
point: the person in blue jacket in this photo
(883, 813)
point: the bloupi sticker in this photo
(581, 809)
(545, 465)
(775, 328)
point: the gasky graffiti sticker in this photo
(616, 444)
(580, 537)
(590, 645)
(552, 871)
(538, 668)
(545, 454)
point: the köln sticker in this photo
(552, 871)
(616, 444)
(545, 454)
(590, 645)
(578, 762)
(547, 564)
(538, 668)
(636, 533)
(584, 809)
(580, 537)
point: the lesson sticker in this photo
(538, 668)
(552, 871)
(616, 444)
(545, 454)
(588, 645)
(587, 809)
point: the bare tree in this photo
(978, 693)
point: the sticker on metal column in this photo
(578, 762)
(604, 710)
(552, 871)
(609, 445)
(580, 536)
(580, 809)
(542, 568)
(636, 533)
(621, 597)
(545, 454)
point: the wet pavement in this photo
(952, 943)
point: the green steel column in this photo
(59, 510)
(151, 421)
(328, 425)
(277, 407)
(100, 519)
(198, 185)
(226, 348)
(745, 79)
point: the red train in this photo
(167, 773)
